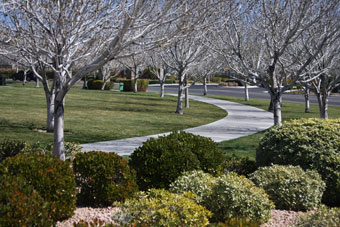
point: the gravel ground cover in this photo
(279, 218)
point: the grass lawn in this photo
(246, 146)
(92, 116)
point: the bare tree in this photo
(108, 71)
(259, 40)
(181, 57)
(158, 67)
(61, 33)
(135, 64)
(324, 72)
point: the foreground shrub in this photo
(239, 165)
(21, 205)
(309, 143)
(10, 148)
(102, 178)
(197, 182)
(158, 162)
(321, 218)
(161, 208)
(51, 177)
(289, 187)
(236, 197)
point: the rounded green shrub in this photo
(321, 218)
(309, 143)
(10, 148)
(236, 197)
(290, 187)
(102, 178)
(52, 178)
(158, 162)
(158, 207)
(197, 182)
(239, 165)
(21, 205)
(95, 84)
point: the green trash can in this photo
(121, 86)
(2, 81)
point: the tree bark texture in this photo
(246, 92)
(58, 145)
(205, 91)
(187, 98)
(323, 105)
(179, 109)
(162, 88)
(307, 109)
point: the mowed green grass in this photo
(246, 146)
(92, 116)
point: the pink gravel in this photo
(279, 218)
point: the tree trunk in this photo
(162, 88)
(307, 110)
(37, 82)
(50, 112)
(161, 81)
(135, 89)
(179, 109)
(205, 91)
(246, 92)
(187, 98)
(276, 100)
(58, 145)
(271, 106)
(323, 105)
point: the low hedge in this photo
(158, 162)
(310, 144)
(97, 85)
(52, 178)
(21, 204)
(102, 178)
(142, 85)
(289, 187)
(161, 208)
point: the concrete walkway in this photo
(242, 120)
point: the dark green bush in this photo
(289, 187)
(51, 177)
(158, 162)
(10, 148)
(236, 197)
(239, 165)
(94, 84)
(321, 218)
(21, 205)
(165, 81)
(103, 178)
(309, 143)
(142, 85)
(161, 208)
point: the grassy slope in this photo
(96, 115)
(246, 146)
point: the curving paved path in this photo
(242, 120)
